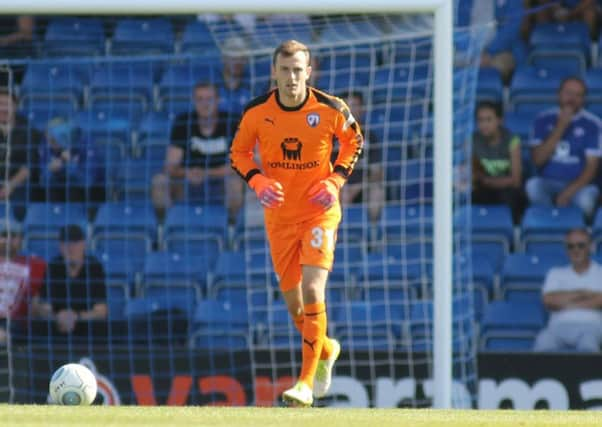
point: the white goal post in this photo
(443, 166)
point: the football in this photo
(72, 384)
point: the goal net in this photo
(194, 315)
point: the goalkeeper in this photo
(294, 126)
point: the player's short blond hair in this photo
(289, 48)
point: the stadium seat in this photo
(345, 31)
(166, 271)
(123, 229)
(74, 37)
(513, 316)
(131, 181)
(154, 135)
(243, 268)
(221, 315)
(45, 219)
(520, 124)
(523, 275)
(535, 85)
(354, 224)
(159, 319)
(187, 222)
(122, 88)
(508, 341)
(490, 223)
(597, 231)
(489, 85)
(198, 39)
(142, 37)
(177, 83)
(125, 218)
(420, 324)
(417, 182)
(42, 246)
(541, 224)
(359, 323)
(106, 127)
(399, 222)
(54, 84)
(564, 45)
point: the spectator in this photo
(366, 182)
(566, 147)
(16, 163)
(196, 166)
(71, 169)
(74, 292)
(20, 278)
(16, 41)
(497, 175)
(234, 90)
(506, 49)
(573, 295)
(566, 11)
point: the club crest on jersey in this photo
(313, 119)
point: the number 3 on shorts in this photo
(320, 235)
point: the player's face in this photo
(205, 101)
(487, 122)
(291, 74)
(572, 95)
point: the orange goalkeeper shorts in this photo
(307, 243)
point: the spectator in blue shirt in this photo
(71, 168)
(566, 145)
(506, 49)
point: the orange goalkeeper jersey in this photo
(295, 145)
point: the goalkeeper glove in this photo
(269, 191)
(326, 192)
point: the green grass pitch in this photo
(40, 415)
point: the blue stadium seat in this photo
(74, 37)
(541, 224)
(508, 341)
(398, 222)
(106, 127)
(177, 83)
(131, 181)
(593, 81)
(417, 182)
(39, 112)
(143, 307)
(221, 315)
(187, 222)
(215, 340)
(354, 224)
(120, 279)
(142, 37)
(523, 275)
(198, 39)
(513, 316)
(244, 268)
(489, 85)
(597, 231)
(123, 88)
(45, 219)
(535, 85)
(269, 34)
(463, 324)
(54, 84)
(154, 135)
(359, 323)
(124, 229)
(520, 124)
(564, 45)
(42, 246)
(166, 271)
(125, 218)
(490, 224)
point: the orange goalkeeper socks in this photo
(314, 332)
(326, 346)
